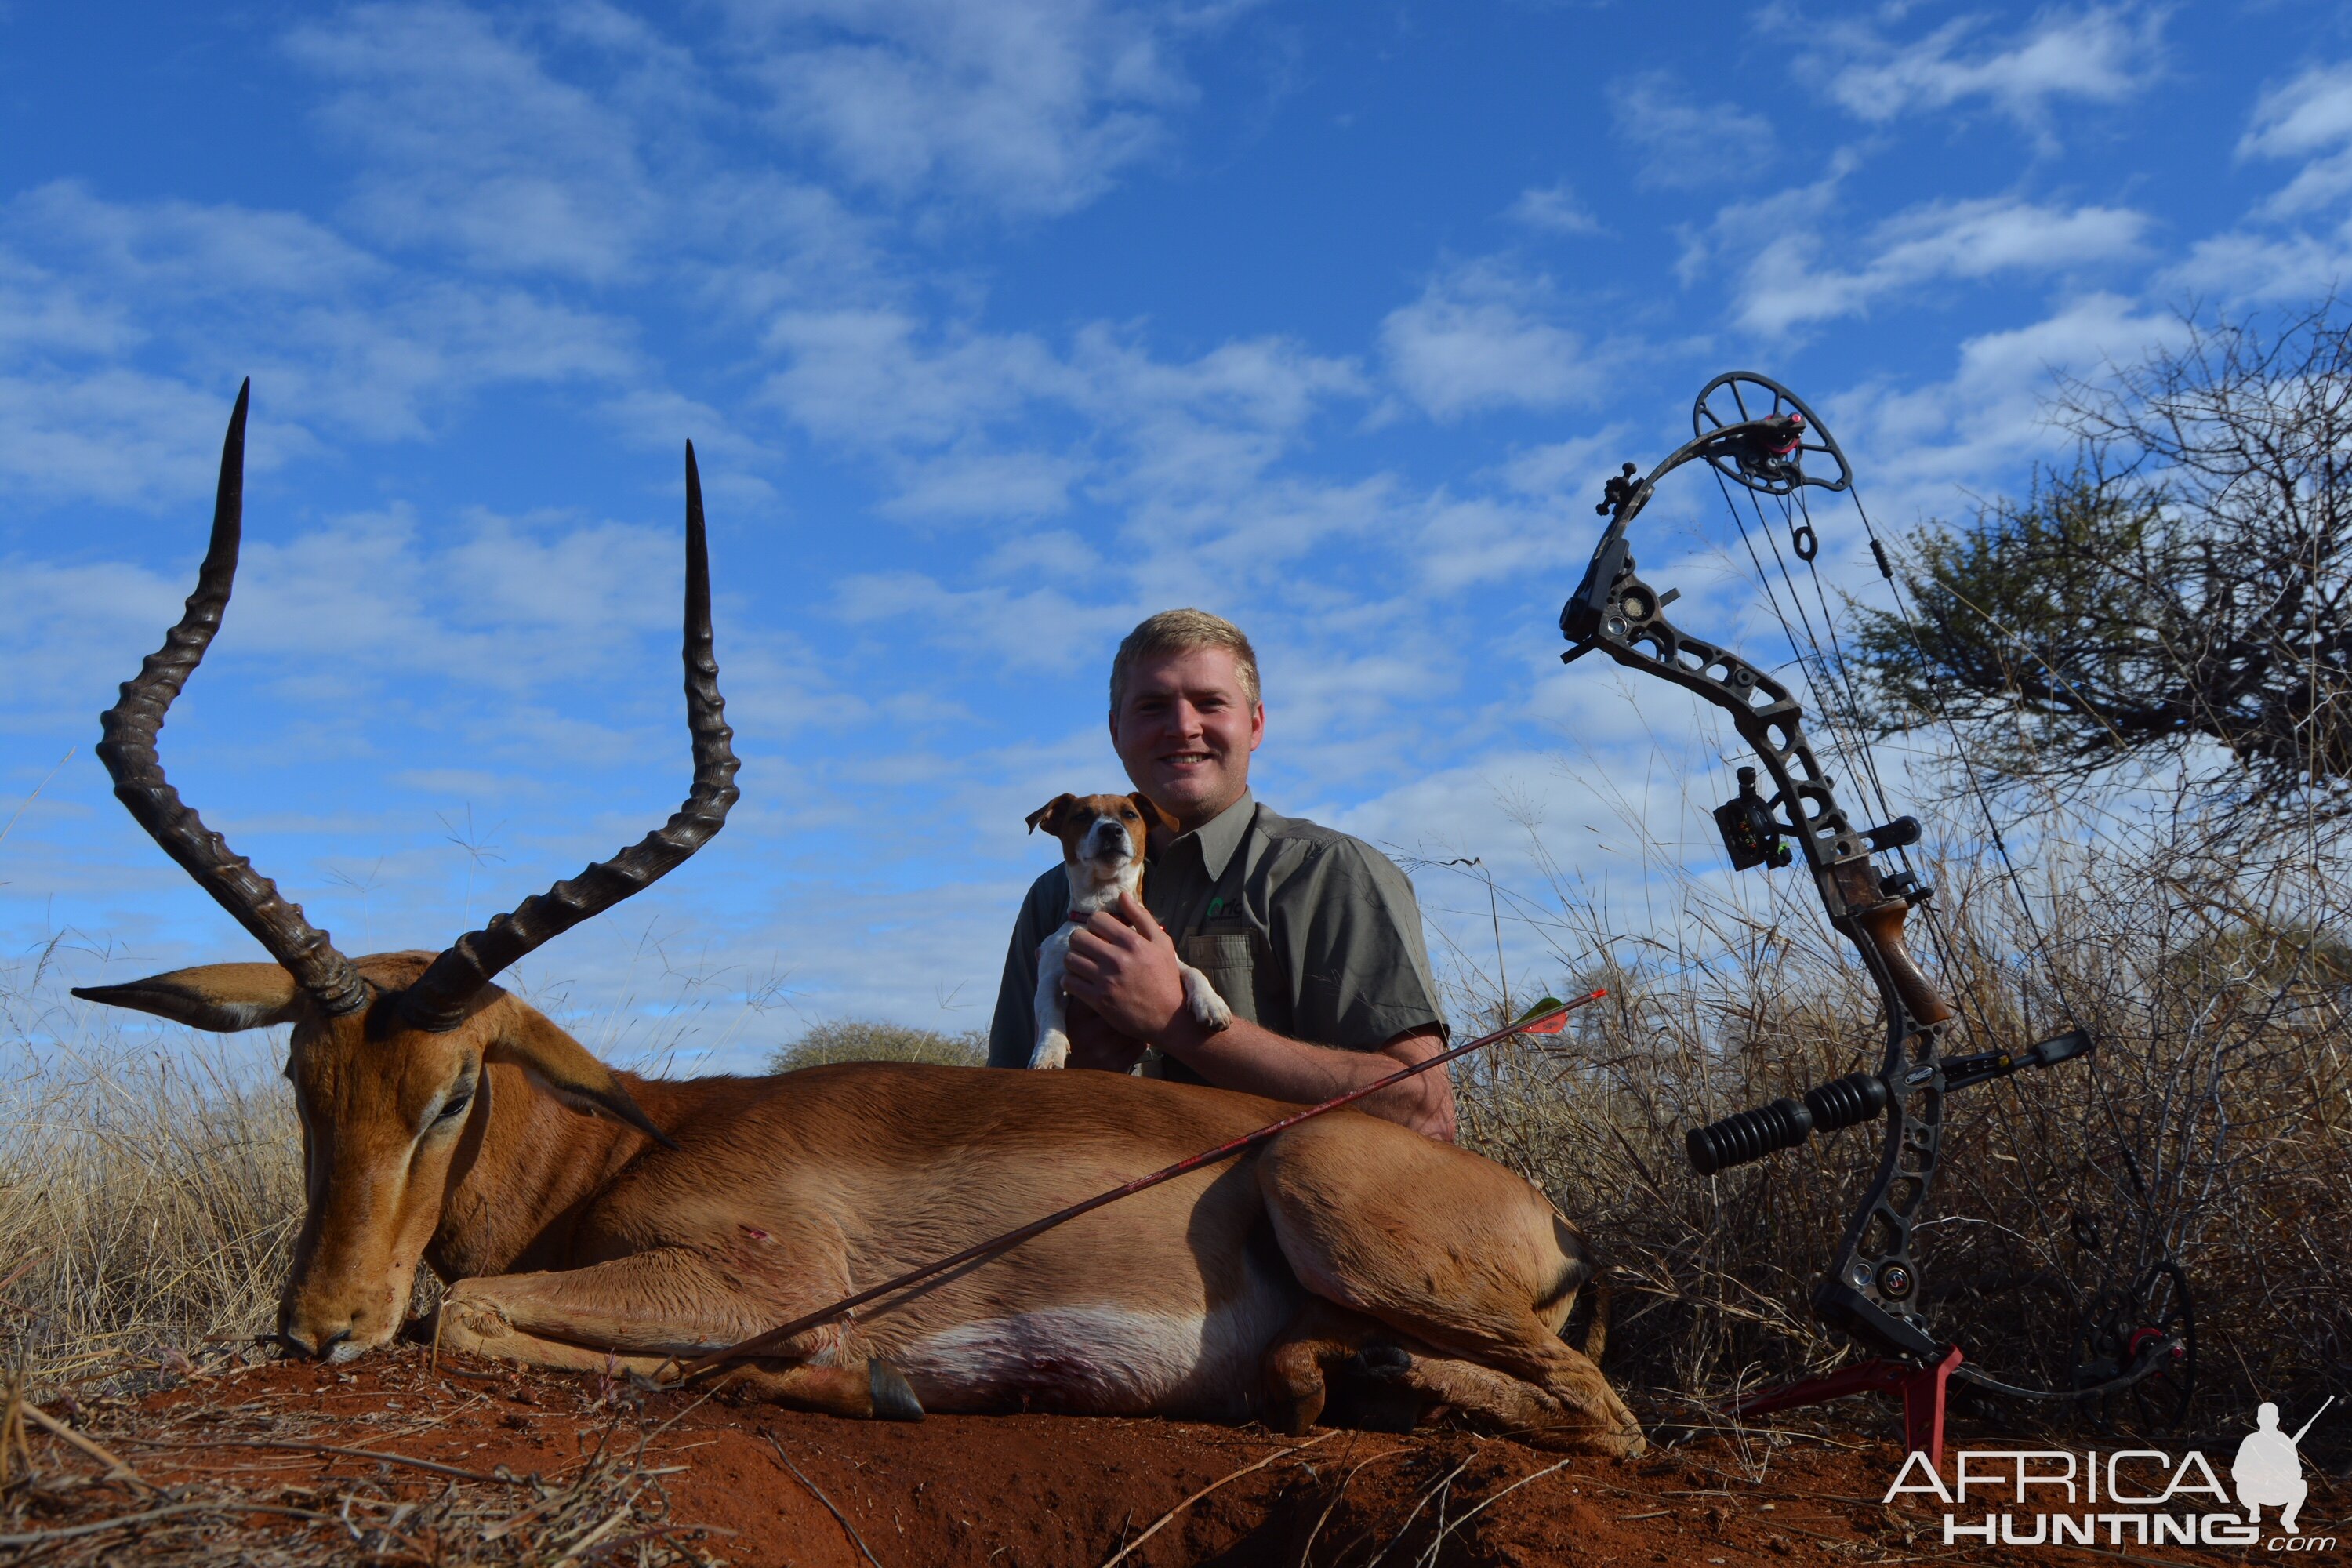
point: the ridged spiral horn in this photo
(128, 750)
(442, 995)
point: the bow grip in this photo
(1882, 925)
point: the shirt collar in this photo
(1222, 835)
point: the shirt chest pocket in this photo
(1226, 957)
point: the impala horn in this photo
(440, 999)
(128, 751)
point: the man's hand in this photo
(1123, 967)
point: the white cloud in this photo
(1030, 107)
(2296, 245)
(2101, 55)
(2308, 119)
(938, 406)
(1986, 423)
(475, 146)
(116, 434)
(1782, 287)
(124, 328)
(1577, 464)
(861, 377)
(1477, 338)
(1037, 628)
(1471, 540)
(1682, 141)
(2244, 266)
(1553, 209)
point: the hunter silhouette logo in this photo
(2268, 1471)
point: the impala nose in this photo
(303, 1349)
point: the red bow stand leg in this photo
(1922, 1388)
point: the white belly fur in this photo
(1106, 1358)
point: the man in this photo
(2269, 1470)
(1313, 938)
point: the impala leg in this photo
(643, 1311)
(1501, 1404)
(1325, 1345)
(1452, 1254)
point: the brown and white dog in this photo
(1103, 838)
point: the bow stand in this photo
(1755, 435)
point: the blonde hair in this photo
(1181, 631)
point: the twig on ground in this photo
(1307, 1551)
(1489, 1502)
(839, 1518)
(293, 1448)
(1155, 1526)
(1444, 1481)
(118, 1470)
(169, 1510)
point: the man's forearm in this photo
(1256, 1060)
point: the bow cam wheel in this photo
(1809, 457)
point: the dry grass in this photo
(232, 1477)
(2213, 1126)
(149, 1189)
(877, 1040)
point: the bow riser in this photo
(1759, 436)
(1872, 1287)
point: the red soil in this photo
(1039, 1489)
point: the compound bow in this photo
(1754, 433)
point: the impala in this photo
(585, 1216)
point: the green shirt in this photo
(1304, 932)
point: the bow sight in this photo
(1757, 435)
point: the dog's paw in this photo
(1208, 1008)
(1053, 1050)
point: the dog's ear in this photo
(1152, 815)
(1049, 815)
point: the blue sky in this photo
(998, 325)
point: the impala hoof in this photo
(893, 1399)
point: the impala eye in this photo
(456, 1106)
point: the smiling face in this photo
(1185, 727)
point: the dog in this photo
(1103, 838)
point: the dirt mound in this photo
(394, 1461)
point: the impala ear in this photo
(222, 998)
(1049, 815)
(562, 1066)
